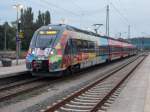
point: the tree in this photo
(9, 32)
(1, 37)
(39, 21)
(11, 36)
(43, 19)
(27, 26)
(47, 18)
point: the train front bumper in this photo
(43, 66)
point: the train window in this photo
(125, 49)
(45, 40)
(78, 44)
(115, 49)
(68, 48)
(91, 46)
(73, 46)
(33, 41)
(84, 46)
(103, 50)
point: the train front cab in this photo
(45, 53)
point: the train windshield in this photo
(46, 39)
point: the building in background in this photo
(142, 43)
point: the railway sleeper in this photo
(99, 91)
(103, 87)
(89, 98)
(108, 85)
(83, 103)
(104, 108)
(101, 111)
(110, 101)
(107, 104)
(86, 100)
(93, 93)
(79, 106)
(93, 96)
(73, 110)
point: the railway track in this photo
(20, 87)
(18, 83)
(14, 89)
(21, 84)
(18, 77)
(95, 96)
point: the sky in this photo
(84, 13)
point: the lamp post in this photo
(17, 7)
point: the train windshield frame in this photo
(45, 38)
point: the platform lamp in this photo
(18, 7)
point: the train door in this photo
(70, 55)
(70, 52)
(67, 55)
(73, 52)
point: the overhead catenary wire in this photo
(87, 12)
(56, 6)
(123, 18)
(82, 13)
(122, 6)
(121, 15)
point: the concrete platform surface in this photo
(12, 71)
(135, 97)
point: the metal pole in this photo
(129, 32)
(107, 20)
(120, 34)
(17, 6)
(5, 39)
(17, 42)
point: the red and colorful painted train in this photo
(58, 48)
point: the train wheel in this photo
(108, 60)
(68, 71)
(77, 68)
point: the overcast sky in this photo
(84, 13)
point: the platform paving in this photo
(135, 97)
(13, 70)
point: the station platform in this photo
(135, 96)
(13, 70)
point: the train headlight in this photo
(52, 52)
(33, 52)
(29, 51)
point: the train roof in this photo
(72, 28)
